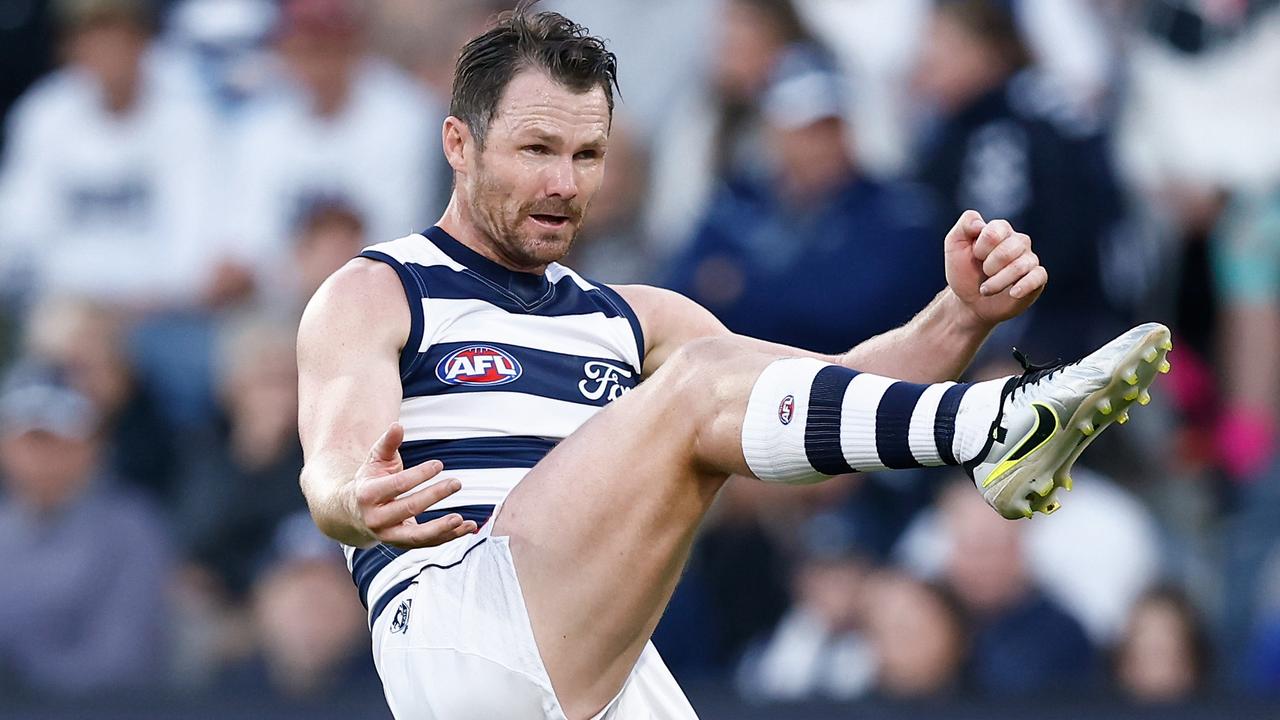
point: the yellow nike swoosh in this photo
(1046, 425)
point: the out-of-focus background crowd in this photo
(178, 177)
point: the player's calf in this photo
(807, 420)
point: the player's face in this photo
(542, 163)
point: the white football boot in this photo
(1050, 414)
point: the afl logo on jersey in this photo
(478, 365)
(786, 408)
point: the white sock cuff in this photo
(774, 427)
(977, 411)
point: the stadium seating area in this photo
(177, 177)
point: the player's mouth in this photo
(550, 221)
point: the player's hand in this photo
(992, 268)
(390, 519)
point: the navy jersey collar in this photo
(527, 287)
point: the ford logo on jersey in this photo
(478, 365)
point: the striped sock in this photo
(807, 420)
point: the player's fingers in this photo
(1010, 274)
(993, 233)
(378, 490)
(410, 506)
(1032, 283)
(967, 227)
(385, 448)
(1010, 249)
(428, 534)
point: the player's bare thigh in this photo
(601, 528)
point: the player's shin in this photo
(807, 420)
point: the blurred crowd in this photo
(176, 179)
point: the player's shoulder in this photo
(360, 305)
(361, 288)
(660, 307)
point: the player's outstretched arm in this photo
(348, 401)
(992, 275)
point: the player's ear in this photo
(456, 138)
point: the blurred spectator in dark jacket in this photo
(919, 635)
(1022, 642)
(82, 606)
(246, 479)
(715, 132)
(88, 340)
(819, 649)
(1007, 144)
(312, 641)
(814, 256)
(1164, 655)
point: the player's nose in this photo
(561, 179)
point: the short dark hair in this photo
(518, 40)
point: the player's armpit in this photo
(669, 321)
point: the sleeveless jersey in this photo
(499, 366)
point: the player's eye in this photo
(537, 149)
(587, 155)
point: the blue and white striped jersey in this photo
(499, 367)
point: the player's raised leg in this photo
(619, 501)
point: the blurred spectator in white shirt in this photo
(1202, 101)
(107, 176)
(353, 129)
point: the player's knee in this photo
(697, 377)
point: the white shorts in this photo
(457, 645)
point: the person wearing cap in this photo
(82, 607)
(816, 255)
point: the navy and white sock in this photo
(808, 420)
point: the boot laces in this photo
(1033, 373)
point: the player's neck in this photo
(458, 224)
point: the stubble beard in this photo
(500, 221)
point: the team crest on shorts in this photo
(786, 409)
(400, 623)
(478, 365)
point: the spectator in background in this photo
(82, 606)
(310, 628)
(106, 175)
(819, 649)
(1245, 255)
(612, 247)
(87, 339)
(1022, 643)
(1246, 264)
(919, 636)
(1163, 656)
(244, 474)
(714, 132)
(815, 255)
(1007, 144)
(329, 235)
(353, 130)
